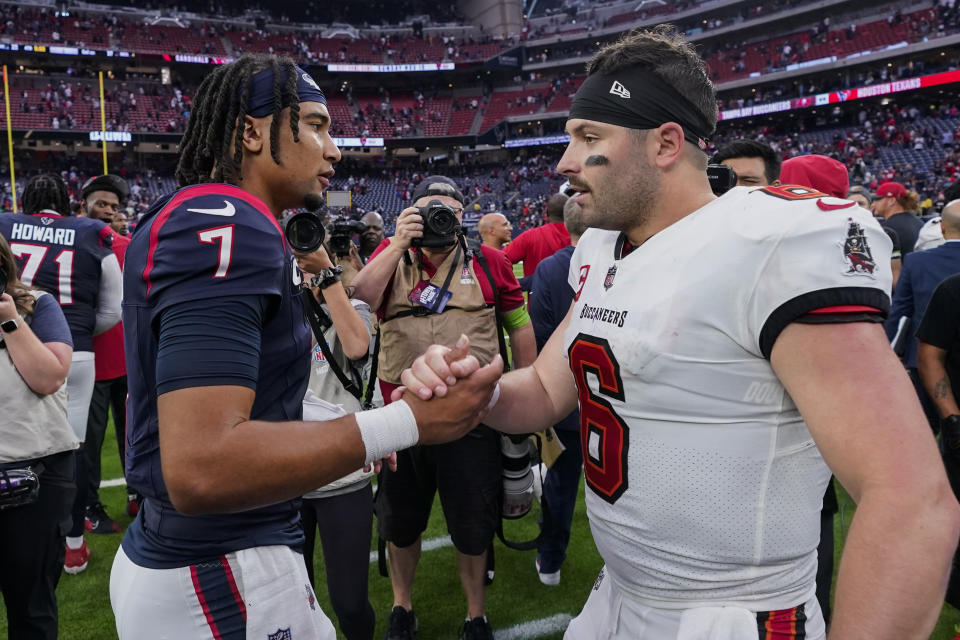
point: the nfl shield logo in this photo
(281, 634)
(611, 274)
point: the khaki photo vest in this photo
(408, 329)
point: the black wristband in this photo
(326, 277)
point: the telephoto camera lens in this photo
(304, 232)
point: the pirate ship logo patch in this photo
(856, 252)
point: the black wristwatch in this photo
(9, 326)
(326, 277)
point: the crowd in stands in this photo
(913, 143)
(27, 25)
(387, 12)
(70, 103)
(733, 58)
(582, 16)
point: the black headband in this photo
(639, 99)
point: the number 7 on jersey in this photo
(223, 235)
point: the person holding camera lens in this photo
(349, 255)
(37, 448)
(342, 511)
(429, 287)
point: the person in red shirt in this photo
(428, 287)
(101, 198)
(533, 245)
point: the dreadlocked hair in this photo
(211, 149)
(46, 191)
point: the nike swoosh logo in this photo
(226, 211)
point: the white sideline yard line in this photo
(115, 482)
(535, 628)
(428, 545)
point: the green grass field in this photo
(515, 597)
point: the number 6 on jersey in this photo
(604, 436)
(225, 236)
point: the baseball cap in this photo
(106, 182)
(438, 186)
(817, 172)
(891, 190)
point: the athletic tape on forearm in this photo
(387, 429)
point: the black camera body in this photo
(304, 231)
(341, 235)
(722, 178)
(440, 226)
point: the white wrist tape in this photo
(495, 398)
(387, 429)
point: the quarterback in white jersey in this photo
(726, 356)
(705, 483)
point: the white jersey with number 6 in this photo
(704, 483)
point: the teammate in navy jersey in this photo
(217, 357)
(72, 259)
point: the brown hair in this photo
(17, 290)
(666, 53)
(910, 202)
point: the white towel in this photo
(718, 623)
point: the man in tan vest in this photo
(428, 289)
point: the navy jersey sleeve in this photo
(201, 346)
(208, 242)
(48, 322)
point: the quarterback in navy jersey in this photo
(217, 358)
(203, 243)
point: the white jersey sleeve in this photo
(833, 260)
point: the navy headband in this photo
(639, 99)
(260, 103)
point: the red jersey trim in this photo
(847, 308)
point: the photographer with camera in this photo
(341, 248)
(36, 447)
(342, 511)
(428, 287)
(344, 252)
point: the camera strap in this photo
(368, 394)
(502, 342)
(316, 316)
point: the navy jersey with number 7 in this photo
(205, 242)
(63, 256)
